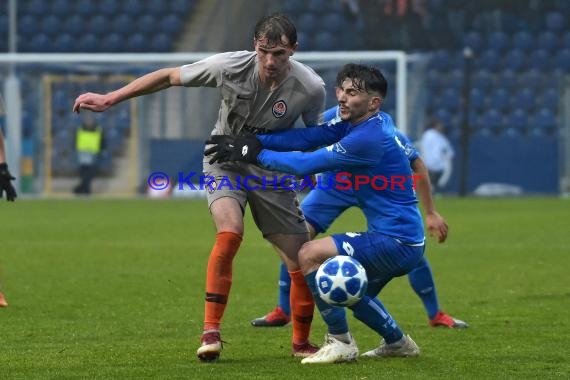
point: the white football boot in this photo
(407, 348)
(334, 351)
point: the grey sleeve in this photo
(204, 73)
(313, 114)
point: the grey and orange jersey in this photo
(245, 104)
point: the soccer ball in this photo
(341, 281)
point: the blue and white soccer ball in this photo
(341, 281)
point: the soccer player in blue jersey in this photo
(366, 148)
(323, 206)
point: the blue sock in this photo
(373, 314)
(421, 280)
(334, 317)
(284, 290)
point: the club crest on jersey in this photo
(211, 186)
(279, 108)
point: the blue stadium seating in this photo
(308, 23)
(532, 78)
(123, 24)
(181, 6)
(523, 40)
(507, 79)
(325, 41)
(171, 24)
(147, 24)
(476, 99)
(518, 119)
(555, 21)
(565, 40)
(99, 24)
(35, 7)
(64, 43)
(499, 99)
(28, 26)
(60, 7)
(524, 99)
(490, 60)
(498, 41)
(563, 60)
(540, 60)
(88, 43)
(112, 43)
(137, 42)
(473, 40)
(161, 42)
(515, 59)
(549, 98)
(132, 7)
(450, 99)
(157, 7)
(108, 7)
(74, 25)
(441, 60)
(482, 79)
(493, 119)
(548, 40)
(84, 7)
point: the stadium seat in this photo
(476, 99)
(88, 43)
(482, 79)
(98, 25)
(518, 120)
(308, 23)
(317, 6)
(455, 79)
(450, 99)
(305, 42)
(64, 43)
(171, 24)
(523, 40)
(440, 60)
(498, 41)
(545, 119)
(435, 79)
(123, 24)
(180, 7)
(133, 7)
(137, 42)
(444, 116)
(161, 42)
(112, 43)
(540, 60)
(51, 25)
(549, 98)
(524, 98)
(74, 25)
(499, 99)
(157, 7)
(562, 60)
(325, 41)
(28, 26)
(532, 78)
(565, 40)
(40, 43)
(108, 7)
(473, 40)
(85, 7)
(60, 8)
(507, 79)
(146, 24)
(489, 60)
(334, 22)
(493, 119)
(555, 21)
(515, 59)
(548, 40)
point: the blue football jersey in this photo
(369, 158)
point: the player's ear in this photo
(375, 103)
(294, 48)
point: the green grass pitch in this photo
(113, 289)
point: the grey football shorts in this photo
(274, 207)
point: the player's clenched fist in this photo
(92, 102)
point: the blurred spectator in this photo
(437, 154)
(89, 142)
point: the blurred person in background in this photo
(437, 153)
(89, 142)
(262, 91)
(5, 180)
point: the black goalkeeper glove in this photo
(233, 148)
(5, 184)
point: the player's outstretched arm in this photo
(435, 223)
(147, 84)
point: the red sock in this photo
(219, 278)
(302, 307)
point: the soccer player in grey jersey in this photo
(262, 91)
